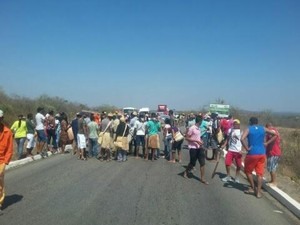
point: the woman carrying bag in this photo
(176, 144)
(121, 141)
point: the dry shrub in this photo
(290, 145)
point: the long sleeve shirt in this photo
(6, 145)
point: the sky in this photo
(186, 54)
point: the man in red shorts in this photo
(256, 156)
(234, 151)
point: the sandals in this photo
(259, 196)
(185, 175)
(204, 182)
(249, 192)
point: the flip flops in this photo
(259, 196)
(204, 182)
(249, 192)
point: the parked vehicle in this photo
(162, 109)
(129, 110)
(144, 111)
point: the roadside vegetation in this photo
(288, 124)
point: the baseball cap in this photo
(236, 121)
(1, 113)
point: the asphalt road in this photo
(64, 190)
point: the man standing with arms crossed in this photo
(6, 152)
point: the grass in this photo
(290, 147)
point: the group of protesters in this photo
(90, 134)
(42, 131)
(262, 147)
(113, 136)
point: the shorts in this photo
(255, 163)
(30, 141)
(41, 136)
(204, 139)
(153, 141)
(197, 154)
(272, 163)
(176, 146)
(213, 143)
(81, 141)
(140, 140)
(236, 156)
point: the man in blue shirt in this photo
(256, 156)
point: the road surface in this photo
(64, 190)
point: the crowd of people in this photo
(261, 143)
(113, 136)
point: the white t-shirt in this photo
(234, 144)
(39, 119)
(140, 127)
(167, 129)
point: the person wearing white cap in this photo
(6, 152)
(106, 132)
(233, 141)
